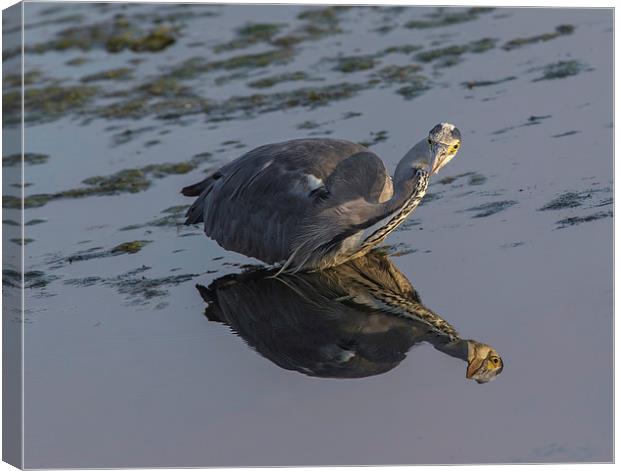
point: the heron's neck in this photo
(417, 157)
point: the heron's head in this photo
(483, 362)
(444, 141)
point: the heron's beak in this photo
(441, 158)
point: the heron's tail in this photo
(195, 214)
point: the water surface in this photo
(512, 246)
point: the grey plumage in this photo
(307, 203)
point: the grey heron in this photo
(358, 319)
(311, 204)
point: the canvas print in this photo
(304, 235)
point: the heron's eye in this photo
(429, 141)
(495, 361)
(455, 146)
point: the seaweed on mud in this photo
(114, 35)
(32, 278)
(317, 24)
(403, 49)
(476, 179)
(560, 69)
(174, 217)
(30, 158)
(250, 34)
(355, 63)
(45, 102)
(131, 180)
(452, 53)
(418, 85)
(531, 121)
(576, 220)
(561, 30)
(24, 241)
(574, 199)
(302, 97)
(140, 289)
(430, 197)
(34, 222)
(268, 82)
(164, 87)
(447, 17)
(308, 125)
(377, 137)
(195, 66)
(567, 133)
(77, 61)
(471, 84)
(122, 73)
(15, 80)
(489, 209)
(399, 73)
(130, 247)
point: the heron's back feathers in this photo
(263, 203)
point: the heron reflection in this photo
(356, 320)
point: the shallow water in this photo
(512, 245)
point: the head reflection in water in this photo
(356, 320)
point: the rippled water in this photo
(512, 246)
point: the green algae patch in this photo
(482, 45)
(126, 181)
(264, 59)
(164, 87)
(130, 247)
(114, 35)
(122, 73)
(318, 23)
(173, 217)
(15, 80)
(308, 125)
(376, 137)
(24, 241)
(302, 97)
(154, 41)
(575, 199)
(576, 220)
(452, 53)
(250, 34)
(561, 30)
(196, 66)
(471, 84)
(561, 69)
(565, 134)
(447, 17)
(269, 82)
(404, 49)
(489, 209)
(398, 73)
(433, 54)
(77, 61)
(355, 63)
(30, 158)
(46, 102)
(32, 278)
(416, 87)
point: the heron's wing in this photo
(354, 199)
(257, 204)
(362, 175)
